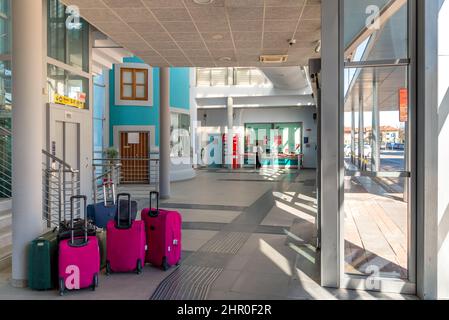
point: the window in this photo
(67, 84)
(180, 135)
(377, 190)
(133, 84)
(249, 77)
(5, 27)
(5, 88)
(69, 45)
(99, 119)
(213, 77)
(216, 77)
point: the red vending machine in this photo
(235, 157)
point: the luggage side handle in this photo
(72, 225)
(128, 197)
(151, 212)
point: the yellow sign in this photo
(69, 101)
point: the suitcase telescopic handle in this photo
(108, 182)
(72, 223)
(155, 213)
(128, 198)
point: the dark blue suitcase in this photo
(100, 214)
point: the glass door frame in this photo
(373, 283)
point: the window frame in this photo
(134, 72)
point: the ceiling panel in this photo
(222, 33)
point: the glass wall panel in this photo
(99, 110)
(389, 37)
(280, 142)
(377, 113)
(180, 135)
(65, 83)
(68, 44)
(5, 27)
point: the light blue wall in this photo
(149, 115)
(180, 88)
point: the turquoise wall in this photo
(149, 115)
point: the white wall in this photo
(216, 121)
(443, 153)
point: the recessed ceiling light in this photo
(203, 1)
(273, 58)
(217, 36)
(225, 59)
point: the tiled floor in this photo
(264, 251)
(376, 229)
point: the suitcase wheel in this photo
(108, 268)
(165, 266)
(61, 287)
(95, 282)
(139, 267)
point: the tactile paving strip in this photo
(187, 283)
(226, 242)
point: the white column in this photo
(230, 137)
(331, 141)
(430, 243)
(164, 133)
(361, 144)
(353, 132)
(443, 155)
(27, 92)
(376, 136)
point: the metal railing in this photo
(5, 163)
(124, 171)
(104, 171)
(59, 183)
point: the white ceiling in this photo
(183, 33)
(288, 78)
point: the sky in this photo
(387, 118)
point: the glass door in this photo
(378, 145)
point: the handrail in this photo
(6, 131)
(123, 159)
(62, 162)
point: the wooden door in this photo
(134, 152)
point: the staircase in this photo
(5, 196)
(5, 234)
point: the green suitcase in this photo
(43, 262)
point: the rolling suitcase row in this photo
(155, 239)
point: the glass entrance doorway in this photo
(280, 143)
(378, 131)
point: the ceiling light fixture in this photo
(273, 58)
(225, 59)
(203, 1)
(217, 36)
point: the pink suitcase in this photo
(125, 242)
(79, 258)
(163, 229)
